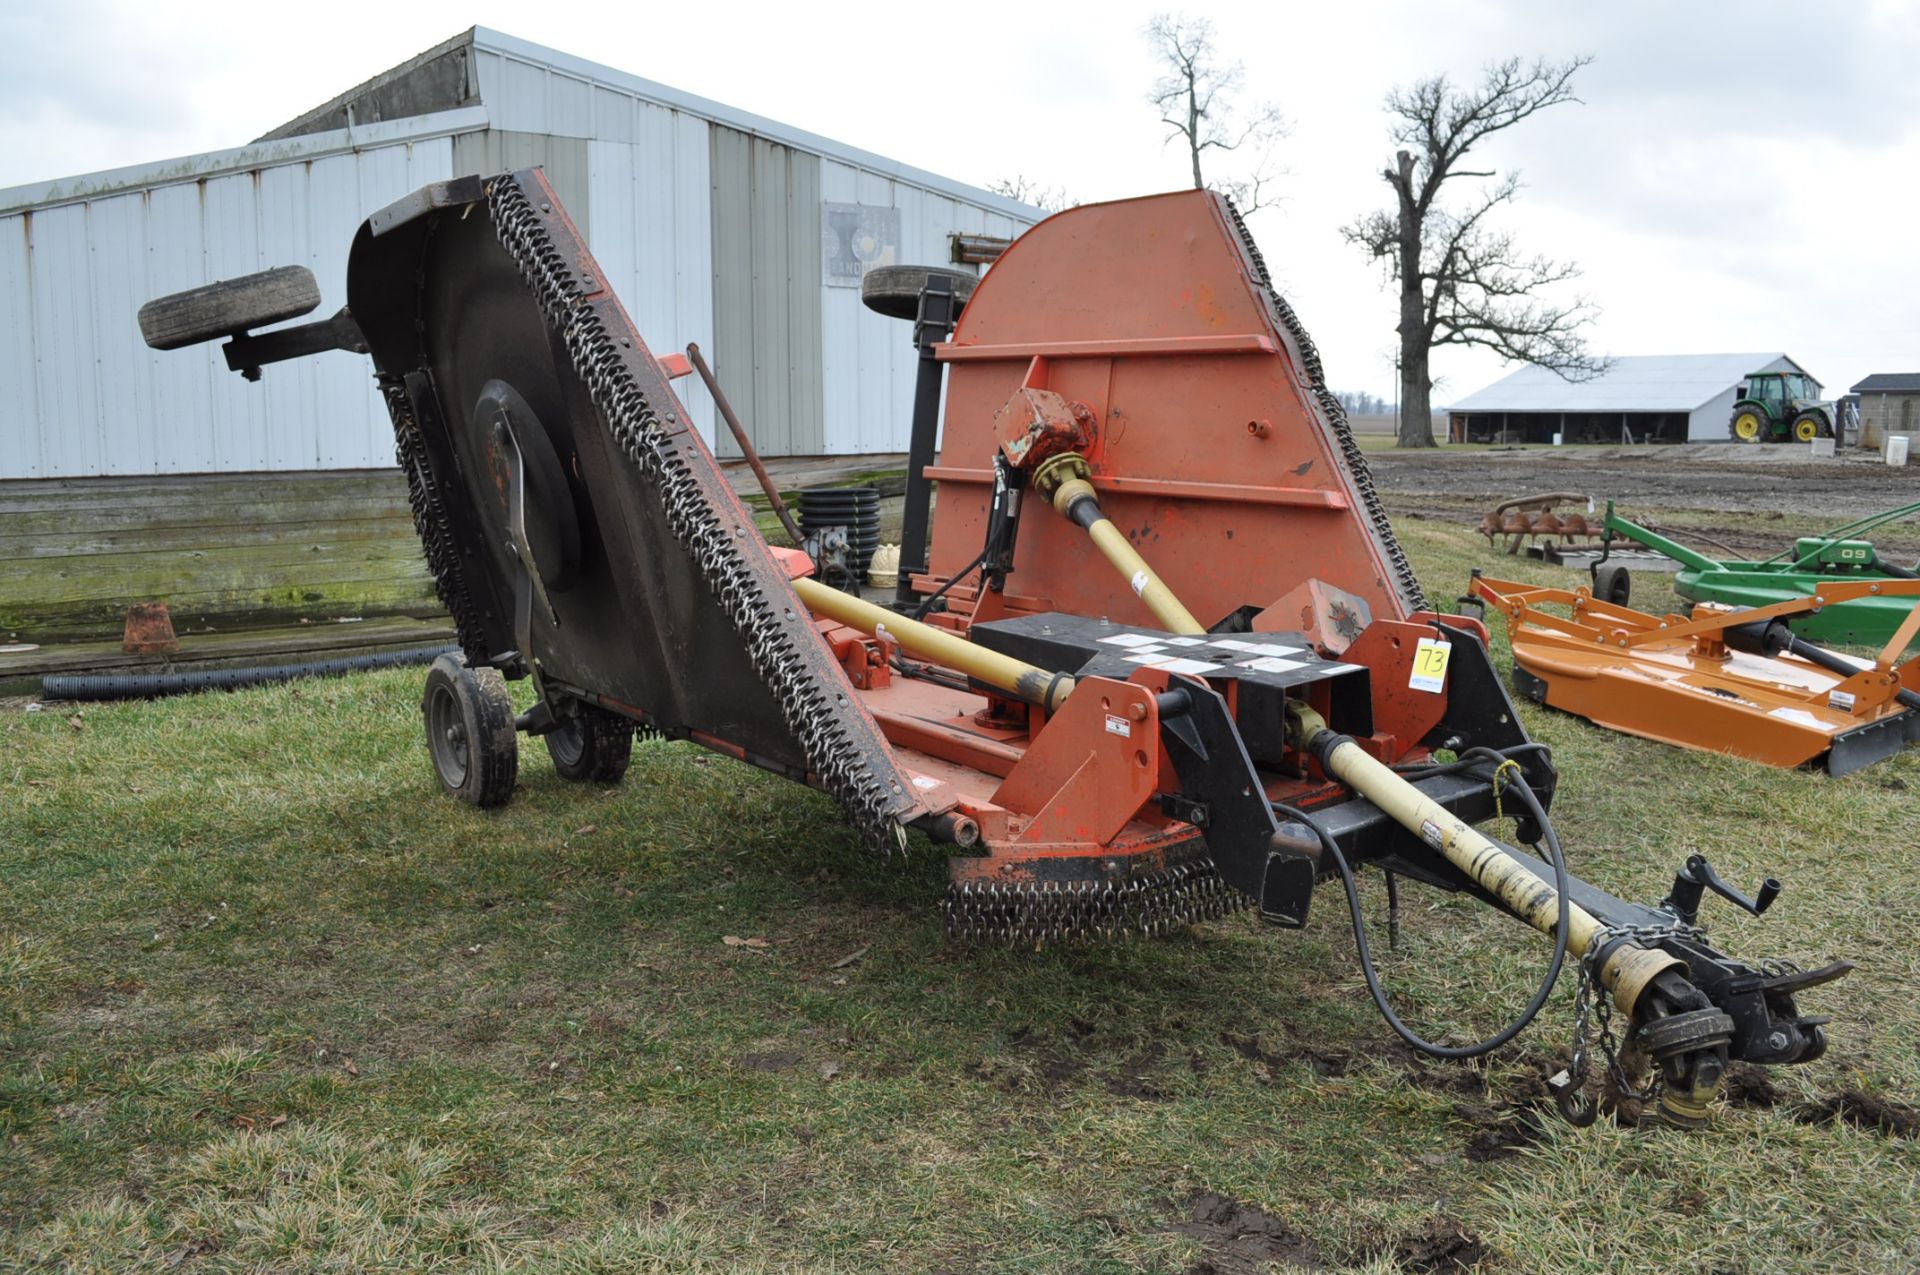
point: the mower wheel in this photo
(470, 733)
(1810, 425)
(592, 746)
(895, 290)
(228, 307)
(1611, 583)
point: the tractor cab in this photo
(1775, 407)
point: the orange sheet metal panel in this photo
(1210, 456)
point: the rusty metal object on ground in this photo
(149, 630)
(1535, 517)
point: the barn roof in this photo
(1889, 383)
(1634, 383)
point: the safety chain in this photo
(1358, 472)
(814, 711)
(1591, 1002)
(1034, 913)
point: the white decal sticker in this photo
(921, 781)
(1152, 659)
(1140, 582)
(1841, 701)
(1132, 639)
(1119, 726)
(1431, 834)
(1331, 669)
(1270, 665)
(1798, 716)
(1186, 666)
(1258, 648)
(1430, 665)
(1185, 641)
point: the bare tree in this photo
(1462, 281)
(1028, 191)
(1198, 100)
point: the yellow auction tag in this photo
(1430, 665)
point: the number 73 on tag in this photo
(1430, 665)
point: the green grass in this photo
(268, 1002)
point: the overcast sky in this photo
(1739, 177)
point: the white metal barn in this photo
(714, 225)
(1669, 398)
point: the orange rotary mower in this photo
(1733, 680)
(1166, 660)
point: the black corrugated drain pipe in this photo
(104, 686)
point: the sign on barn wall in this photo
(856, 237)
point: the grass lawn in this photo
(268, 1002)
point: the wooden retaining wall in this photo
(225, 551)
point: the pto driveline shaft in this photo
(1026, 682)
(1063, 480)
(1627, 969)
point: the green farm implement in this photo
(1800, 572)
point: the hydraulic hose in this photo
(111, 686)
(1561, 931)
(1625, 969)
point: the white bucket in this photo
(1897, 449)
(1822, 447)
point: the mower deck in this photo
(1183, 666)
(1676, 679)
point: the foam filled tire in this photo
(1810, 425)
(1611, 583)
(592, 747)
(228, 307)
(895, 290)
(470, 734)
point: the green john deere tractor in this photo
(1779, 407)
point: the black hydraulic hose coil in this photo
(111, 686)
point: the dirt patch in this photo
(772, 1060)
(1438, 1248)
(1142, 1075)
(1240, 1239)
(1748, 1086)
(1864, 1111)
(1707, 477)
(1500, 1130)
(1331, 1063)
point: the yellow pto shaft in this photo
(1628, 969)
(1023, 681)
(1063, 480)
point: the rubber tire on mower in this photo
(470, 733)
(895, 290)
(1612, 583)
(1820, 429)
(592, 747)
(1762, 426)
(228, 307)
